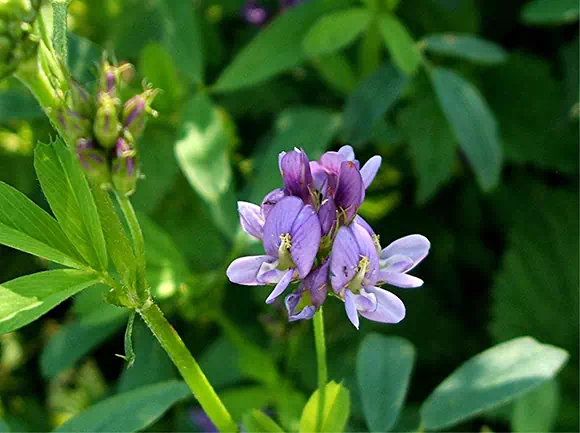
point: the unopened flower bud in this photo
(106, 126)
(94, 162)
(74, 125)
(136, 110)
(125, 170)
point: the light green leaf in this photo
(79, 337)
(383, 370)
(400, 44)
(466, 47)
(202, 154)
(257, 421)
(311, 129)
(27, 298)
(472, 123)
(26, 227)
(336, 72)
(490, 379)
(70, 198)
(152, 364)
(432, 144)
(537, 410)
(335, 30)
(182, 36)
(551, 12)
(128, 412)
(369, 102)
(276, 48)
(336, 410)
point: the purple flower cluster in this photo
(312, 235)
(256, 14)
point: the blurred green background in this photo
(479, 142)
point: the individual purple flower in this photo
(291, 236)
(400, 257)
(296, 175)
(254, 13)
(354, 274)
(310, 295)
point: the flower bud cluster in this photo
(18, 39)
(312, 235)
(104, 129)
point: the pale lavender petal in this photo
(292, 301)
(331, 162)
(269, 273)
(416, 247)
(348, 153)
(281, 286)
(279, 221)
(360, 221)
(349, 192)
(350, 307)
(245, 269)
(404, 281)
(365, 301)
(305, 238)
(366, 248)
(397, 263)
(251, 219)
(390, 309)
(317, 284)
(319, 175)
(344, 259)
(270, 201)
(370, 169)
(280, 157)
(327, 215)
(296, 174)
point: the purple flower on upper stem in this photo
(254, 14)
(295, 169)
(291, 235)
(399, 257)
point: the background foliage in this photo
(473, 107)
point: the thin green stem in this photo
(320, 343)
(138, 242)
(59, 27)
(188, 367)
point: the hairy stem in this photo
(188, 367)
(59, 36)
(320, 343)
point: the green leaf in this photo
(465, 46)
(537, 410)
(311, 129)
(278, 47)
(83, 57)
(257, 421)
(243, 399)
(182, 36)
(129, 355)
(336, 410)
(211, 360)
(152, 364)
(70, 198)
(79, 337)
(383, 369)
(472, 123)
(27, 298)
(550, 12)
(26, 227)
(202, 154)
(400, 44)
(17, 104)
(432, 144)
(369, 102)
(335, 30)
(336, 71)
(128, 412)
(490, 379)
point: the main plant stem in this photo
(188, 367)
(320, 343)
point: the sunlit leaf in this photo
(466, 47)
(404, 51)
(257, 421)
(336, 410)
(550, 12)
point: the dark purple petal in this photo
(366, 248)
(390, 309)
(317, 284)
(350, 307)
(281, 286)
(279, 221)
(295, 169)
(344, 259)
(327, 215)
(416, 247)
(305, 238)
(245, 269)
(202, 421)
(319, 176)
(270, 201)
(349, 193)
(370, 169)
(404, 281)
(251, 219)
(254, 14)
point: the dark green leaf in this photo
(383, 369)
(370, 100)
(537, 410)
(491, 379)
(336, 72)
(473, 124)
(27, 298)
(258, 422)
(128, 412)
(466, 47)
(336, 410)
(243, 399)
(551, 12)
(18, 104)
(400, 44)
(335, 30)
(83, 58)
